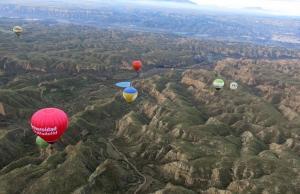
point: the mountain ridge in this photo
(261, 29)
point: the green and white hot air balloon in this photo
(41, 142)
(218, 84)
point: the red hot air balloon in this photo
(137, 65)
(49, 123)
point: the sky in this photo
(277, 7)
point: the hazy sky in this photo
(280, 7)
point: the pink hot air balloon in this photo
(49, 123)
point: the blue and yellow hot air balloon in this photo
(130, 94)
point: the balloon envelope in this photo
(137, 65)
(130, 94)
(218, 83)
(123, 84)
(233, 85)
(49, 123)
(40, 142)
(17, 30)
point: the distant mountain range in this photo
(187, 22)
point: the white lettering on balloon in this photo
(44, 131)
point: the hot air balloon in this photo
(233, 85)
(123, 84)
(137, 65)
(130, 94)
(40, 142)
(18, 30)
(218, 84)
(49, 123)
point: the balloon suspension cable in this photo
(142, 77)
(43, 152)
(51, 148)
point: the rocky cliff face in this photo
(229, 144)
(274, 80)
(179, 136)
